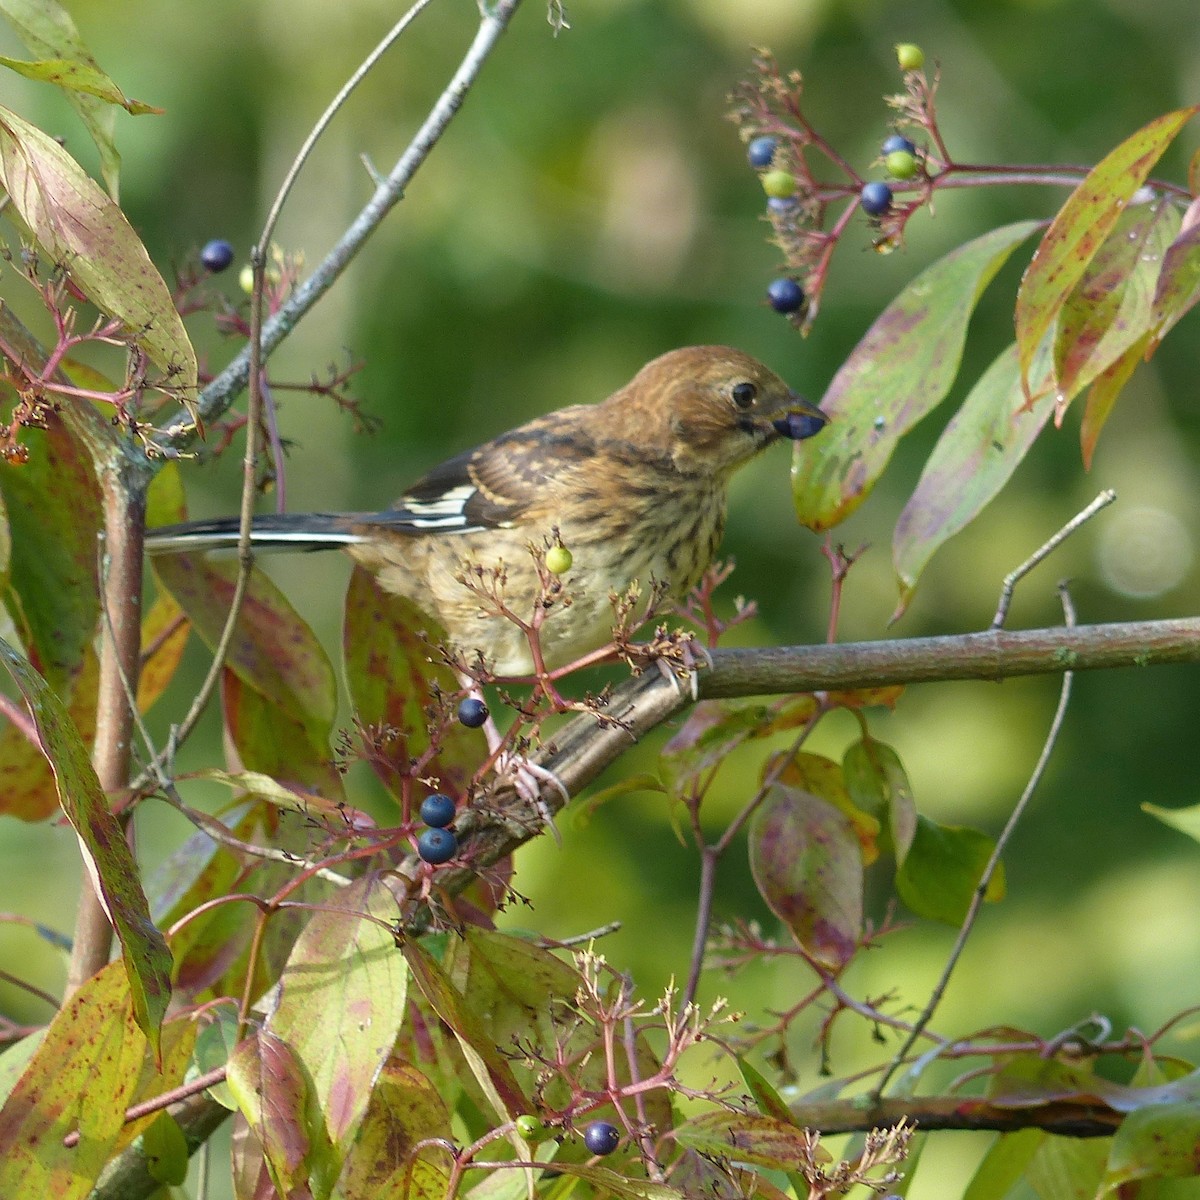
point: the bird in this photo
(634, 486)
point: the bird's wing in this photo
(497, 485)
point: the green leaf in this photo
(1155, 1142)
(1186, 820)
(47, 30)
(975, 456)
(1004, 1164)
(74, 76)
(942, 870)
(1112, 306)
(81, 1079)
(106, 854)
(808, 865)
(900, 371)
(489, 1066)
(1103, 396)
(165, 1150)
(878, 783)
(748, 1138)
(278, 1100)
(347, 967)
(76, 224)
(1078, 231)
(404, 1109)
(393, 685)
(1068, 1168)
(214, 1045)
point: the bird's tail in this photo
(271, 531)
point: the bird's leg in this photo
(527, 777)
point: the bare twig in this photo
(218, 395)
(989, 871)
(1044, 551)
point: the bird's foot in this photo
(529, 778)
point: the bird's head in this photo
(714, 408)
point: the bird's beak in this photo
(800, 419)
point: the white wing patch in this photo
(445, 512)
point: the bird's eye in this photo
(744, 394)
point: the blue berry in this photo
(897, 142)
(216, 255)
(761, 151)
(785, 295)
(799, 426)
(472, 712)
(782, 204)
(437, 845)
(876, 198)
(601, 1138)
(437, 811)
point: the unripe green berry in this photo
(901, 164)
(779, 184)
(246, 279)
(529, 1127)
(910, 57)
(558, 560)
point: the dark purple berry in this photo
(472, 712)
(761, 151)
(437, 811)
(216, 255)
(437, 845)
(799, 425)
(896, 142)
(785, 295)
(601, 1138)
(876, 198)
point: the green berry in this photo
(901, 164)
(779, 183)
(246, 279)
(529, 1127)
(910, 57)
(558, 560)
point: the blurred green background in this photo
(591, 208)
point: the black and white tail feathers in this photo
(270, 531)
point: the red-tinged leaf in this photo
(54, 517)
(607, 1182)
(1078, 231)
(877, 782)
(771, 1104)
(1194, 174)
(1178, 288)
(273, 650)
(74, 76)
(867, 697)
(405, 1108)
(277, 1099)
(76, 224)
(821, 776)
(1102, 397)
(392, 684)
(251, 1176)
(808, 866)
(106, 854)
(28, 789)
(80, 1080)
(1004, 1164)
(943, 868)
(289, 799)
(750, 1138)
(900, 371)
(975, 456)
(165, 632)
(489, 1066)
(1157, 1142)
(269, 740)
(1112, 306)
(346, 966)
(715, 728)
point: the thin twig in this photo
(217, 396)
(993, 862)
(1045, 550)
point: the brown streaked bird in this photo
(636, 486)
